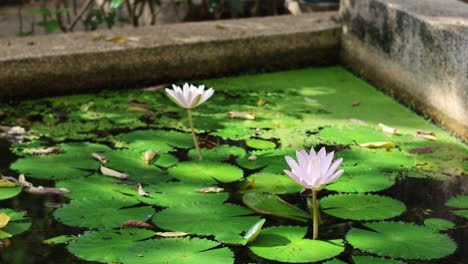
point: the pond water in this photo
(402, 199)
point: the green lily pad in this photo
(74, 163)
(273, 183)
(18, 223)
(439, 224)
(271, 204)
(459, 202)
(260, 144)
(9, 192)
(63, 239)
(347, 135)
(177, 193)
(361, 179)
(361, 206)
(178, 251)
(158, 140)
(374, 260)
(224, 221)
(101, 213)
(218, 153)
(287, 244)
(401, 240)
(234, 132)
(334, 261)
(165, 160)
(107, 246)
(205, 172)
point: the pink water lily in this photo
(313, 170)
(189, 96)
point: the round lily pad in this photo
(107, 246)
(439, 224)
(178, 251)
(459, 202)
(260, 144)
(9, 192)
(347, 135)
(18, 223)
(205, 172)
(101, 213)
(401, 240)
(361, 179)
(218, 153)
(273, 183)
(158, 140)
(271, 204)
(176, 193)
(380, 159)
(361, 206)
(287, 244)
(225, 221)
(76, 161)
(374, 260)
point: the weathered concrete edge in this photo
(406, 66)
(355, 56)
(71, 72)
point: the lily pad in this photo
(177, 193)
(107, 246)
(361, 206)
(271, 204)
(158, 140)
(459, 202)
(361, 179)
(260, 144)
(218, 153)
(63, 239)
(18, 223)
(9, 192)
(101, 213)
(224, 221)
(347, 135)
(401, 240)
(287, 244)
(177, 251)
(273, 183)
(206, 172)
(383, 160)
(74, 163)
(439, 224)
(374, 260)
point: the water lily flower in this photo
(189, 97)
(313, 171)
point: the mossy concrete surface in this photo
(417, 50)
(67, 63)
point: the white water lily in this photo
(314, 170)
(189, 96)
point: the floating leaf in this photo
(148, 156)
(5, 183)
(287, 244)
(224, 221)
(374, 260)
(210, 190)
(253, 232)
(459, 202)
(171, 234)
(137, 223)
(177, 251)
(7, 193)
(260, 144)
(271, 204)
(274, 183)
(439, 224)
(63, 239)
(158, 140)
(361, 179)
(4, 219)
(361, 206)
(101, 213)
(401, 240)
(388, 129)
(378, 145)
(176, 193)
(107, 246)
(218, 153)
(17, 224)
(113, 173)
(350, 134)
(205, 172)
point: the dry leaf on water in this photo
(148, 156)
(137, 223)
(99, 157)
(5, 183)
(171, 234)
(388, 129)
(241, 115)
(357, 103)
(141, 191)
(210, 190)
(423, 150)
(113, 173)
(357, 121)
(135, 102)
(22, 180)
(378, 145)
(4, 219)
(46, 190)
(426, 135)
(310, 100)
(45, 151)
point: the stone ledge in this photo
(59, 64)
(416, 50)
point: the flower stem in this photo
(314, 213)
(195, 140)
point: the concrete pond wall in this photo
(415, 50)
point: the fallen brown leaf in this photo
(141, 191)
(377, 145)
(99, 157)
(171, 234)
(135, 102)
(113, 173)
(388, 129)
(357, 121)
(53, 150)
(46, 190)
(137, 223)
(149, 156)
(210, 190)
(241, 115)
(426, 135)
(357, 103)
(423, 150)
